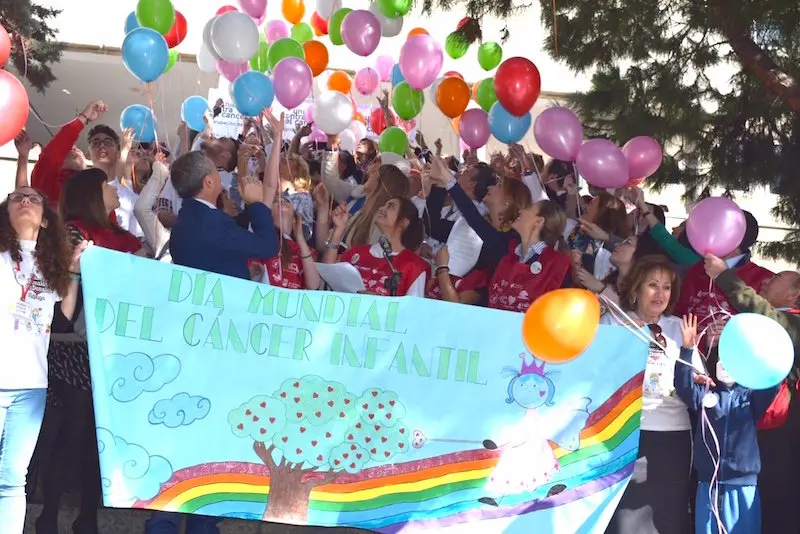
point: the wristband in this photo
(309, 255)
(332, 246)
(441, 269)
(75, 277)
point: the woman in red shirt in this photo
(461, 289)
(399, 222)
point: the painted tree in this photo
(309, 431)
(34, 46)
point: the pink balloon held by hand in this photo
(559, 133)
(716, 225)
(602, 164)
(644, 157)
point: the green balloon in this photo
(302, 32)
(407, 102)
(394, 8)
(489, 55)
(455, 45)
(260, 60)
(283, 48)
(394, 140)
(335, 25)
(486, 95)
(173, 58)
(156, 14)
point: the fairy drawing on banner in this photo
(528, 461)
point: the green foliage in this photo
(34, 45)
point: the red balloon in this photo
(452, 74)
(319, 24)
(517, 84)
(178, 32)
(377, 121)
(13, 106)
(5, 46)
(225, 9)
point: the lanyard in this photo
(24, 289)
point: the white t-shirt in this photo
(23, 359)
(125, 216)
(168, 200)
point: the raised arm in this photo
(272, 177)
(24, 145)
(154, 232)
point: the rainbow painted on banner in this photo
(387, 503)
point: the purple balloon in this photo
(317, 135)
(231, 71)
(558, 133)
(366, 81)
(644, 157)
(384, 66)
(292, 80)
(716, 226)
(276, 30)
(602, 164)
(473, 128)
(254, 8)
(309, 115)
(361, 32)
(420, 61)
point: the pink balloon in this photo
(644, 156)
(309, 116)
(716, 226)
(361, 32)
(603, 164)
(276, 30)
(366, 81)
(231, 71)
(254, 8)
(421, 60)
(473, 128)
(384, 66)
(292, 79)
(558, 133)
(317, 135)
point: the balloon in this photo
(275, 31)
(302, 32)
(177, 33)
(452, 73)
(140, 119)
(390, 26)
(347, 141)
(393, 140)
(205, 60)
(130, 24)
(746, 357)
(473, 128)
(420, 61)
(145, 54)
(225, 9)
(452, 97)
(5, 45)
(255, 8)
(316, 56)
(319, 24)
(317, 135)
(361, 32)
(358, 129)
(377, 120)
(158, 15)
(517, 84)
(454, 125)
(231, 71)
(340, 81)
(172, 59)
(293, 10)
(576, 311)
(489, 55)
(558, 133)
(192, 112)
(602, 163)
(235, 37)
(644, 156)
(397, 75)
(360, 118)
(407, 102)
(435, 86)
(394, 160)
(418, 31)
(332, 112)
(335, 25)
(260, 61)
(15, 106)
(284, 48)
(486, 95)
(293, 81)
(394, 8)
(308, 116)
(252, 93)
(384, 65)
(209, 44)
(507, 128)
(716, 225)
(366, 81)
(456, 45)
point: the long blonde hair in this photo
(392, 183)
(298, 174)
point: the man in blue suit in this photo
(209, 239)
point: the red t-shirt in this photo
(375, 271)
(475, 280)
(516, 285)
(48, 176)
(292, 275)
(121, 240)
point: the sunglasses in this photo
(658, 334)
(19, 197)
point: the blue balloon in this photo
(192, 112)
(505, 127)
(755, 351)
(131, 23)
(141, 119)
(252, 93)
(397, 76)
(145, 54)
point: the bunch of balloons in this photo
(14, 102)
(152, 33)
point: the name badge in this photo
(355, 259)
(22, 311)
(536, 267)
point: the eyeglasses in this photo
(106, 142)
(19, 197)
(658, 334)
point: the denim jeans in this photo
(21, 413)
(170, 523)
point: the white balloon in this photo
(235, 37)
(205, 60)
(326, 8)
(390, 27)
(347, 141)
(332, 112)
(358, 129)
(435, 86)
(388, 158)
(321, 82)
(207, 38)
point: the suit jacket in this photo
(209, 239)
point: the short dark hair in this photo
(104, 129)
(314, 167)
(188, 172)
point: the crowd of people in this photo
(497, 234)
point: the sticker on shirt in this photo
(723, 376)
(355, 258)
(659, 375)
(536, 268)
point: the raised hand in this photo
(593, 231)
(275, 124)
(127, 139)
(340, 217)
(569, 185)
(442, 257)
(251, 189)
(94, 110)
(714, 266)
(305, 130)
(75, 262)
(23, 143)
(321, 197)
(689, 331)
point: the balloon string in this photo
(24, 55)
(713, 486)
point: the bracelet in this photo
(309, 255)
(75, 277)
(333, 246)
(442, 268)
(84, 117)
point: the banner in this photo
(225, 397)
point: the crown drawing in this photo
(535, 368)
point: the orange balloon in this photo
(359, 117)
(561, 324)
(452, 96)
(316, 56)
(293, 10)
(340, 81)
(475, 90)
(454, 123)
(418, 31)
